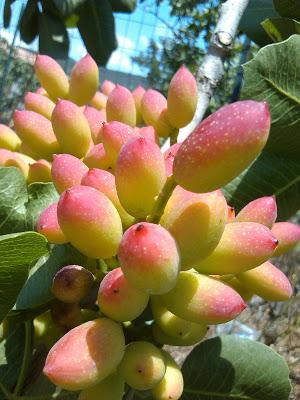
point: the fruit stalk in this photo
(162, 200)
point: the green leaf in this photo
(29, 24)
(97, 28)
(20, 206)
(17, 252)
(268, 175)
(125, 6)
(274, 76)
(40, 196)
(7, 13)
(53, 38)
(230, 367)
(11, 355)
(256, 12)
(13, 196)
(288, 8)
(37, 289)
(280, 29)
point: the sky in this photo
(134, 32)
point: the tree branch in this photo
(211, 71)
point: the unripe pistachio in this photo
(138, 94)
(99, 101)
(97, 158)
(104, 181)
(46, 332)
(243, 245)
(51, 76)
(237, 285)
(71, 128)
(287, 234)
(140, 162)
(48, 226)
(143, 365)
(86, 355)
(171, 386)
(39, 171)
(9, 139)
(268, 282)
(190, 339)
(262, 210)
(72, 283)
(222, 146)
(110, 388)
(16, 161)
(202, 299)
(95, 119)
(26, 150)
(149, 258)
(39, 103)
(119, 299)
(107, 87)
(67, 171)
(182, 98)
(182, 331)
(36, 132)
(196, 221)
(114, 135)
(148, 132)
(5, 155)
(84, 81)
(120, 106)
(90, 221)
(154, 112)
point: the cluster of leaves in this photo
(49, 20)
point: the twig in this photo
(211, 71)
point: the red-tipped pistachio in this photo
(202, 299)
(67, 171)
(48, 226)
(243, 245)
(149, 258)
(120, 106)
(262, 210)
(182, 98)
(287, 234)
(71, 128)
(140, 162)
(51, 76)
(86, 355)
(90, 221)
(268, 282)
(119, 299)
(84, 81)
(196, 221)
(36, 132)
(222, 146)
